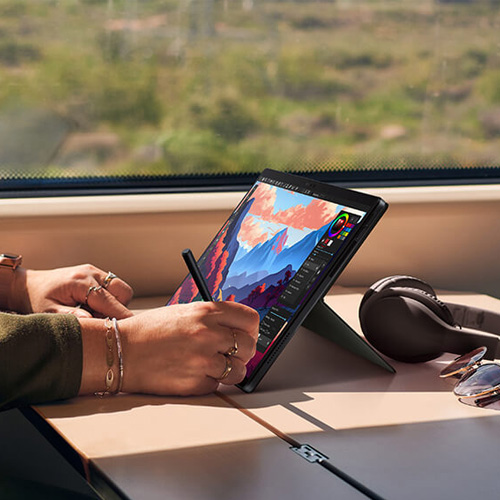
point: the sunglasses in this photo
(479, 383)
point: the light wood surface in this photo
(189, 448)
(403, 435)
(323, 383)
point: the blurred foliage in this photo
(188, 86)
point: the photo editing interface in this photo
(270, 254)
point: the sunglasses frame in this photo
(465, 366)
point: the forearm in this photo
(177, 350)
(45, 357)
(40, 358)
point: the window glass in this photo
(164, 89)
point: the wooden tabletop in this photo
(401, 435)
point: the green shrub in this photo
(302, 78)
(126, 97)
(364, 58)
(489, 86)
(227, 117)
(90, 91)
(186, 151)
(13, 8)
(231, 120)
(14, 53)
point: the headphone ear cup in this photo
(403, 328)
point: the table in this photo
(395, 436)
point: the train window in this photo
(137, 95)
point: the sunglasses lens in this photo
(461, 364)
(480, 382)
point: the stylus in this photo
(198, 278)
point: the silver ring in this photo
(108, 279)
(227, 369)
(89, 291)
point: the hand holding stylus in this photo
(190, 348)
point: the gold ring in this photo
(227, 369)
(89, 291)
(107, 280)
(233, 349)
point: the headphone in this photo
(403, 319)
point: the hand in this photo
(178, 350)
(64, 290)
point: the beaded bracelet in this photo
(112, 332)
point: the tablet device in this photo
(279, 252)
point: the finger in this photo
(89, 275)
(227, 370)
(104, 303)
(75, 311)
(117, 287)
(238, 344)
(239, 316)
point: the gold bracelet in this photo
(112, 334)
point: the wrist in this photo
(18, 299)
(12, 283)
(102, 368)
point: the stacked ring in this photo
(90, 290)
(233, 349)
(95, 288)
(227, 369)
(107, 280)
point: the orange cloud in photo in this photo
(252, 232)
(312, 216)
(264, 201)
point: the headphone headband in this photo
(475, 318)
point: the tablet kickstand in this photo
(325, 322)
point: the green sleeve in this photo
(40, 358)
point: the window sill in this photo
(192, 202)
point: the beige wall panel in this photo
(142, 249)
(452, 244)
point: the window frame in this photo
(96, 186)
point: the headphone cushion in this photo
(403, 328)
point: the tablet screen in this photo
(272, 252)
